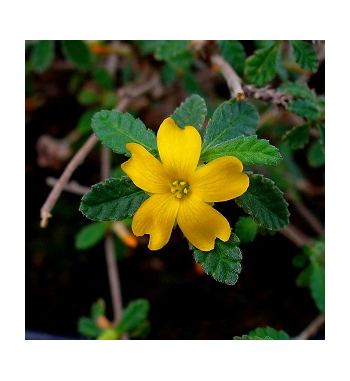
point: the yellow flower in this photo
(180, 190)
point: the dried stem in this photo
(268, 95)
(296, 236)
(312, 328)
(233, 81)
(72, 186)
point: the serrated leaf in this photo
(304, 108)
(264, 202)
(248, 337)
(134, 315)
(115, 129)
(77, 52)
(230, 120)
(43, 55)
(114, 199)
(249, 150)
(261, 67)
(191, 112)
(223, 262)
(246, 229)
(297, 137)
(90, 235)
(168, 49)
(305, 55)
(234, 53)
(270, 332)
(317, 285)
(300, 90)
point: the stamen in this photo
(179, 188)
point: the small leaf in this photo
(300, 90)
(168, 49)
(114, 199)
(90, 235)
(88, 97)
(248, 337)
(305, 55)
(84, 123)
(270, 332)
(77, 52)
(304, 108)
(223, 262)
(134, 315)
(246, 229)
(317, 285)
(234, 54)
(297, 137)
(249, 150)
(261, 67)
(115, 129)
(43, 55)
(103, 78)
(264, 202)
(98, 308)
(191, 112)
(109, 334)
(316, 155)
(230, 120)
(88, 327)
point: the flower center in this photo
(180, 188)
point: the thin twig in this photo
(311, 329)
(72, 186)
(296, 236)
(268, 95)
(234, 82)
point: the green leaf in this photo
(191, 112)
(264, 202)
(304, 108)
(98, 308)
(77, 52)
(88, 327)
(168, 49)
(316, 155)
(109, 334)
(103, 78)
(246, 229)
(84, 123)
(317, 285)
(300, 90)
(297, 137)
(261, 67)
(223, 262)
(247, 337)
(90, 235)
(43, 55)
(115, 129)
(305, 55)
(114, 199)
(230, 120)
(134, 315)
(270, 332)
(234, 54)
(88, 97)
(249, 150)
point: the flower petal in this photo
(201, 223)
(179, 149)
(145, 170)
(156, 217)
(220, 180)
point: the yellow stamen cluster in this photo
(180, 188)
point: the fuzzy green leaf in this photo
(77, 52)
(234, 54)
(264, 202)
(270, 332)
(43, 55)
(248, 337)
(223, 262)
(304, 108)
(246, 229)
(300, 90)
(317, 285)
(250, 150)
(191, 112)
(305, 55)
(167, 49)
(134, 315)
(90, 235)
(115, 129)
(230, 120)
(297, 137)
(261, 67)
(114, 199)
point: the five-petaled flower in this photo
(181, 191)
